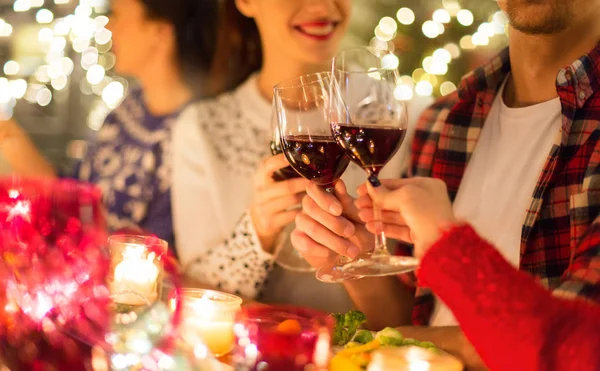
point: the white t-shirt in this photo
(500, 178)
(218, 144)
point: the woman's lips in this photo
(317, 30)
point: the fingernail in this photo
(335, 209)
(349, 231)
(352, 251)
(374, 181)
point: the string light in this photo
(11, 68)
(18, 88)
(95, 74)
(453, 49)
(480, 39)
(388, 25)
(405, 16)
(5, 29)
(4, 91)
(466, 42)
(22, 5)
(43, 96)
(424, 88)
(430, 29)
(44, 16)
(452, 6)
(447, 87)
(441, 16)
(390, 61)
(465, 17)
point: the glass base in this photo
(380, 265)
(334, 274)
(291, 260)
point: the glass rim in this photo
(260, 311)
(224, 298)
(136, 239)
(374, 51)
(312, 78)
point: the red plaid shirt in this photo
(560, 243)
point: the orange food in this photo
(290, 326)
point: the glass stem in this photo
(380, 241)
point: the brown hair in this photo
(239, 51)
(196, 27)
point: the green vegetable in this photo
(353, 344)
(363, 337)
(427, 344)
(390, 336)
(411, 341)
(346, 325)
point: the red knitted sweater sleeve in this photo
(512, 321)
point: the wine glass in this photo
(369, 124)
(285, 255)
(302, 106)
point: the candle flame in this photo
(136, 268)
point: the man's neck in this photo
(165, 91)
(274, 71)
(537, 59)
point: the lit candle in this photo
(136, 269)
(135, 277)
(208, 316)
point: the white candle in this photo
(208, 317)
(135, 277)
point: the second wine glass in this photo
(369, 124)
(302, 106)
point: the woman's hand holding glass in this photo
(275, 204)
(330, 225)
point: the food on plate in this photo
(346, 325)
(360, 346)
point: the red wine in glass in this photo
(287, 172)
(317, 158)
(370, 147)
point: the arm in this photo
(385, 301)
(207, 250)
(20, 152)
(538, 330)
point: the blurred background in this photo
(56, 60)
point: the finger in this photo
(363, 202)
(390, 184)
(314, 253)
(397, 232)
(279, 204)
(337, 224)
(326, 201)
(387, 217)
(307, 246)
(270, 165)
(280, 189)
(281, 220)
(349, 210)
(325, 237)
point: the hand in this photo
(414, 210)
(275, 204)
(329, 226)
